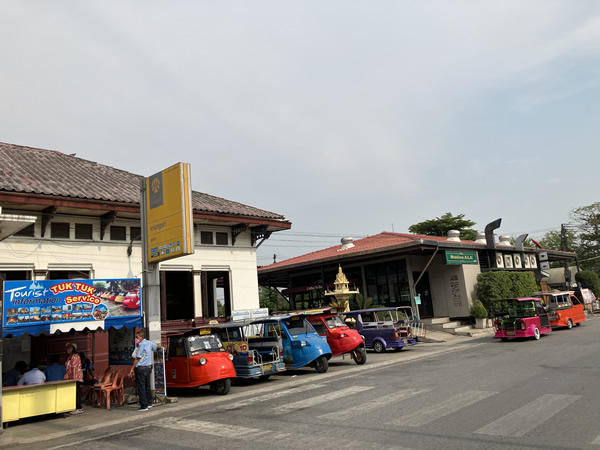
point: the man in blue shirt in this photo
(55, 371)
(142, 367)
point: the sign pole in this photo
(151, 281)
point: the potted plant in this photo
(479, 313)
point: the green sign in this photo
(455, 257)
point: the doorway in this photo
(424, 290)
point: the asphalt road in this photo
(476, 394)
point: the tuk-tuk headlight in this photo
(202, 361)
(230, 356)
(303, 343)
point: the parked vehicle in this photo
(564, 308)
(384, 328)
(520, 317)
(120, 297)
(341, 339)
(302, 345)
(253, 356)
(196, 358)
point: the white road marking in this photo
(316, 400)
(521, 421)
(441, 408)
(371, 405)
(266, 397)
(212, 428)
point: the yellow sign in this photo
(169, 219)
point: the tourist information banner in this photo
(47, 306)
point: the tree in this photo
(441, 225)
(271, 298)
(552, 240)
(586, 221)
(589, 280)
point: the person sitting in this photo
(34, 376)
(12, 377)
(55, 371)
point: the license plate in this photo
(267, 367)
(510, 333)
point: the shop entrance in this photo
(216, 294)
(177, 295)
(424, 290)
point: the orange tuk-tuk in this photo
(564, 308)
(197, 358)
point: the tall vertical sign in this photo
(169, 220)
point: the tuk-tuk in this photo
(520, 317)
(341, 339)
(196, 358)
(384, 328)
(302, 345)
(564, 308)
(253, 356)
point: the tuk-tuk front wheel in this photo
(359, 355)
(536, 333)
(378, 347)
(221, 387)
(321, 364)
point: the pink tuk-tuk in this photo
(520, 317)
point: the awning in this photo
(50, 306)
(13, 223)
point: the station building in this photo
(436, 276)
(65, 217)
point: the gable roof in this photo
(49, 172)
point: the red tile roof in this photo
(49, 172)
(378, 242)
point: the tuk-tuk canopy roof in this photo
(519, 299)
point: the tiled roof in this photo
(378, 242)
(49, 172)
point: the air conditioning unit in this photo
(499, 261)
(526, 262)
(508, 261)
(533, 262)
(518, 261)
(544, 265)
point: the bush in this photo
(478, 311)
(504, 284)
(589, 280)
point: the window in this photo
(118, 233)
(83, 231)
(222, 238)
(206, 237)
(135, 233)
(60, 230)
(28, 231)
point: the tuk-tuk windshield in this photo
(298, 325)
(514, 308)
(334, 322)
(204, 344)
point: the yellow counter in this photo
(37, 399)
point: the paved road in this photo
(479, 393)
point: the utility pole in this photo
(563, 247)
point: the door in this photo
(424, 290)
(177, 365)
(544, 321)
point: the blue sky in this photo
(348, 117)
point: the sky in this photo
(348, 117)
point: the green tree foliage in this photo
(441, 225)
(478, 311)
(590, 280)
(360, 302)
(586, 222)
(272, 299)
(504, 284)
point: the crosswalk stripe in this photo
(335, 395)
(442, 408)
(521, 421)
(376, 403)
(266, 397)
(238, 432)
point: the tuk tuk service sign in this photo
(48, 306)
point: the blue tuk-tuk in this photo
(302, 345)
(253, 356)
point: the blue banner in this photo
(47, 306)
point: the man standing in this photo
(142, 368)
